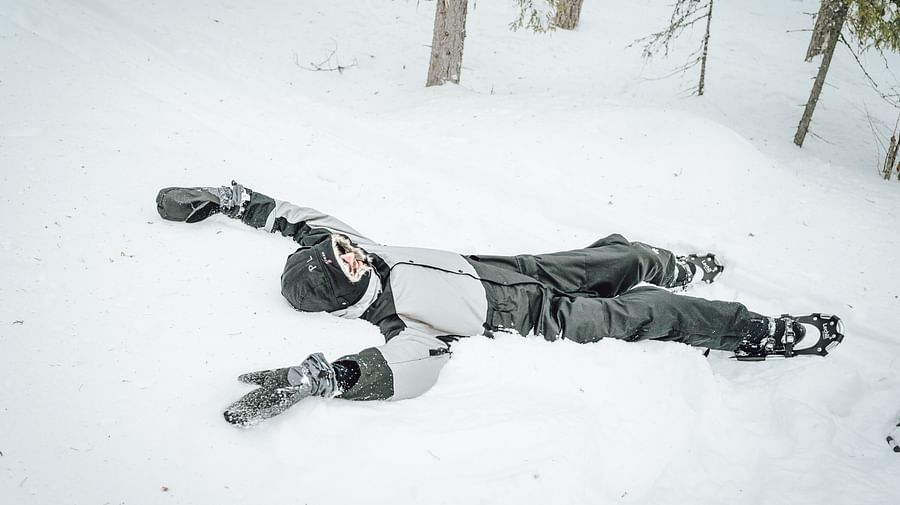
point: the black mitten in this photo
(281, 388)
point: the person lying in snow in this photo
(422, 300)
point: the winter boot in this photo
(772, 335)
(191, 205)
(688, 267)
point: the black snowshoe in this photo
(893, 438)
(786, 333)
(707, 265)
(695, 268)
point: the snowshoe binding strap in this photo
(787, 339)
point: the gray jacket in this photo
(421, 300)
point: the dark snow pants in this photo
(588, 294)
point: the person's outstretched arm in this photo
(307, 226)
(404, 367)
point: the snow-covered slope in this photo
(121, 334)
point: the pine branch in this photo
(682, 17)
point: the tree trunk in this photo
(834, 33)
(890, 158)
(702, 85)
(568, 12)
(819, 37)
(447, 42)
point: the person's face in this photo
(353, 260)
(352, 264)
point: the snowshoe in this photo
(787, 332)
(695, 268)
(705, 265)
(893, 438)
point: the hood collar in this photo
(358, 308)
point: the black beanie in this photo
(313, 280)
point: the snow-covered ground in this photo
(121, 334)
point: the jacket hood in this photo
(313, 280)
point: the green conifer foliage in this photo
(534, 15)
(876, 23)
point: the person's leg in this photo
(650, 313)
(606, 268)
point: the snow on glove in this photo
(262, 403)
(281, 388)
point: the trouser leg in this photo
(650, 313)
(605, 268)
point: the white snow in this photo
(121, 334)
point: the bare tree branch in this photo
(685, 14)
(885, 96)
(816, 135)
(325, 65)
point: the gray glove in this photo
(281, 388)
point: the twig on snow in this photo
(325, 65)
